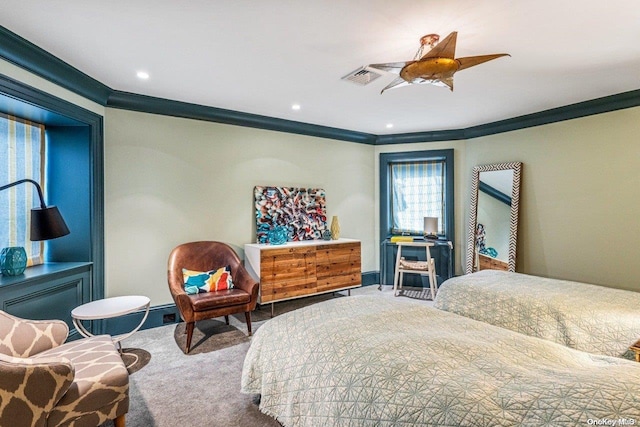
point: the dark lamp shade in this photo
(47, 223)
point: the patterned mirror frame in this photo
(473, 211)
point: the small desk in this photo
(108, 308)
(423, 268)
(388, 258)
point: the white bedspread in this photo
(586, 317)
(370, 361)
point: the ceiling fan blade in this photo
(445, 49)
(397, 82)
(470, 61)
(446, 82)
(391, 67)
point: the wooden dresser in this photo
(299, 269)
(489, 263)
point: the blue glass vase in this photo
(13, 261)
(278, 235)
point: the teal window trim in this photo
(387, 159)
(80, 132)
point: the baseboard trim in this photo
(159, 315)
(167, 314)
(370, 278)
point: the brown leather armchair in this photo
(206, 256)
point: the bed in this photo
(371, 361)
(586, 317)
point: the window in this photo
(21, 156)
(417, 191)
(414, 185)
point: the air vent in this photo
(362, 76)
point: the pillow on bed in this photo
(206, 281)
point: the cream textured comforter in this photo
(590, 318)
(369, 361)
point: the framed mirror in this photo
(493, 217)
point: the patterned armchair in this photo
(44, 382)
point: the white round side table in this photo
(108, 308)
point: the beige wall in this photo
(171, 180)
(580, 198)
(579, 202)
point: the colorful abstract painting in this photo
(302, 210)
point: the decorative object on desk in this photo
(13, 261)
(303, 210)
(396, 239)
(326, 235)
(278, 235)
(430, 227)
(335, 228)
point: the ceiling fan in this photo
(436, 67)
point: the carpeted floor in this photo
(202, 388)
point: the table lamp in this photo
(430, 227)
(46, 224)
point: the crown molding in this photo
(36, 60)
(150, 104)
(430, 136)
(573, 111)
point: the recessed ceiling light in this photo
(389, 125)
(142, 75)
(295, 107)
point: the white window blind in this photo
(417, 191)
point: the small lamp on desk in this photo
(46, 224)
(430, 227)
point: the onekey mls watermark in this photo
(611, 422)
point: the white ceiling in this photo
(262, 56)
